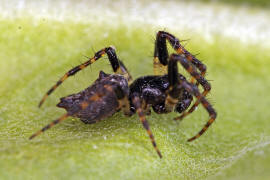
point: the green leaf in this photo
(34, 54)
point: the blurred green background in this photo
(40, 41)
(250, 3)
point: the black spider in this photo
(164, 93)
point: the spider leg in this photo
(161, 53)
(173, 92)
(176, 85)
(146, 107)
(189, 67)
(211, 111)
(138, 105)
(63, 117)
(117, 65)
(160, 56)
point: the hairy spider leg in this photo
(117, 66)
(123, 71)
(211, 111)
(62, 118)
(160, 56)
(138, 105)
(161, 53)
(173, 92)
(176, 85)
(192, 71)
(96, 97)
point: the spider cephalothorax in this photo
(164, 92)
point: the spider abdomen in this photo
(101, 99)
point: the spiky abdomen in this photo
(101, 102)
(97, 110)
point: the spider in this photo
(164, 92)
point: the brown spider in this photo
(165, 92)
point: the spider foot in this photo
(180, 118)
(192, 139)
